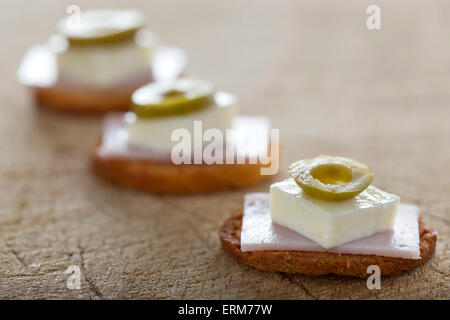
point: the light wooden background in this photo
(330, 85)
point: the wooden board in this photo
(330, 85)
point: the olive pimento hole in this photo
(173, 92)
(332, 173)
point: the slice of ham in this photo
(250, 140)
(259, 232)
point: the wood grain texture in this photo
(329, 84)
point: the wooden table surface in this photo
(330, 85)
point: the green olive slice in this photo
(175, 97)
(331, 178)
(101, 26)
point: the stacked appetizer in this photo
(142, 148)
(96, 61)
(328, 218)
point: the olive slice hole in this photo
(332, 173)
(173, 93)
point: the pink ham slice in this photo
(251, 140)
(259, 232)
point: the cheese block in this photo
(156, 132)
(103, 66)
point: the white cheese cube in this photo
(155, 133)
(104, 66)
(331, 223)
